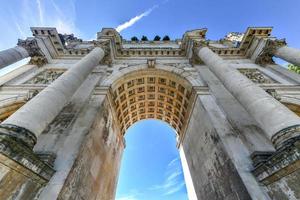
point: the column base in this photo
(22, 159)
(273, 166)
(19, 134)
(286, 137)
(22, 172)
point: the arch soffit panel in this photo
(151, 93)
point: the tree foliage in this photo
(156, 38)
(144, 38)
(166, 38)
(294, 68)
(134, 38)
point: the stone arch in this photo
(178, 70)
(292, 102)
(10, 105)
(152, 94)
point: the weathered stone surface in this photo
(95, 172)
(80, 120)
(213, 173)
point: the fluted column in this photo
(31, 119)
(279, 123)
(288, 54)
(12, 55)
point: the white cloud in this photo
(132, 195)
(135, 19)
(40, 9)
(173, 179)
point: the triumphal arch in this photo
(235, 111)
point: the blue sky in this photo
(150, 168)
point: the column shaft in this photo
(288, 54)
(12, 55)
(271, 115)
(42, 109)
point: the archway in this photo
(151, 165)
(152, 94)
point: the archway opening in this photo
(168, 99)
(151, 166)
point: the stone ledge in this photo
(23, 160)
(279, 164)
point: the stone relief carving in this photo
(31, 46)
(274, 94)
(62, 121)
(266, 55)
(256, 76)
(37, 56)
(45, 77)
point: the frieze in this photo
(46, 77)
(256, 76)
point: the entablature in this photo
(68, 46)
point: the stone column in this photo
(288, 54)
(279, 123)
(30, 120)
(12, 55)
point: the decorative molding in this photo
(256, 76)
(274, 94)
(286, 136)
(151, 63)
(38, 60)
(46, 77)
(37, 56)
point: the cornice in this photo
(189, 41)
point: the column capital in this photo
(266, 55)
(37, 56)
(30, 44)
(104, 44)
(197, 45)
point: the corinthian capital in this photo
(105, 45)
(30, 44)
(266, 55)
(37, 56)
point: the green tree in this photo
(166, 38)
(134, 38)
(156, 38)
(294, 68)
(144, 38)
